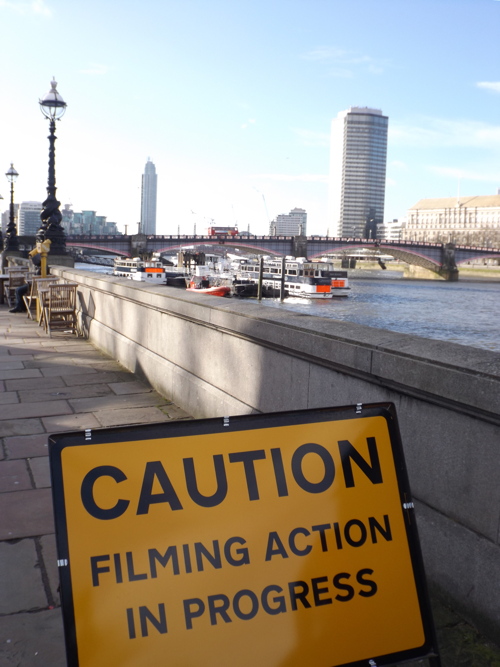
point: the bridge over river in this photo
(443, 259)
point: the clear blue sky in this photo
(233, 100)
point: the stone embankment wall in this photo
(216, 357)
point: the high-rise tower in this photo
(148, 199)
(357, 172)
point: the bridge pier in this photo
(449, 274)
(448, 269)
(300, 246)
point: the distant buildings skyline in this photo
(148, 199)
(358, 157)
(86, 222)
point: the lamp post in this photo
(11, 241)
(53, 107)
(1, 242)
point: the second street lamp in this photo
(11, 241)
(53, 107)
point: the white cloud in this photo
(95, 69)
(25, 7)
(250, 121)
(345, 62)
(489, 85)
(438, 133)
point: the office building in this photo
(29, 221)
(463, 220)
(390, 230)
(357, 172)
(289, 224)
(148, 199)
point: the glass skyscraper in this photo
(148, 199)
(357, 172)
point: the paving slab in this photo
(106, 376)
(8, 398)
(26, 348)
(32, 640)
(135, 387)
(9, 364)
(110, 418)
(64, 392)
(113, 402)
(40, 409)
(61, 370)
(174, 412)
(26, 446)
(26, 514)
(20, 374)
(14, 476)
(10, 427)
(40, 470)
(34, 383)
(20, 578)
(70, 423)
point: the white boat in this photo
(141, 270)
(305, 279)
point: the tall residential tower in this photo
(357, 172)
(148, 199)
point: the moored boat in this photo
(141, 270)
(203, 281)
(204, 287)
(304, 279)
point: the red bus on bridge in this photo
(215, 231)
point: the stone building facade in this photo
(462, 220)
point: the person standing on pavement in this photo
(22, 290)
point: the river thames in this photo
(463, 312)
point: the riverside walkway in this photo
(51, 385)
(48, 385)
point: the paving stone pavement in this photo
(50, 385)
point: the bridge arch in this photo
(259, 249)
(409, 256)
(102, 248)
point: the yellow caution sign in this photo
(279, 540)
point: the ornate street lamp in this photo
(11, 241)
(53, 107)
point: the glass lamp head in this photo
(11, 174)
(53, 106)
